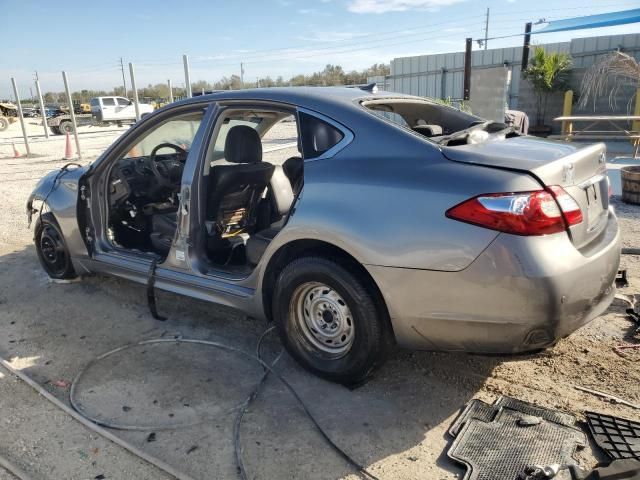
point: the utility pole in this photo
(124, 81)
(170, 91)
(525, 46)
(241, 75)
(486, 30)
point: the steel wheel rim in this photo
(52, 250)
(323, 318)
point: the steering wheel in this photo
(163, 179)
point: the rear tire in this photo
(66, 127)
(328, 320)
(52, 248)
(4, 123)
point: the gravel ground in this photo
(396, 424)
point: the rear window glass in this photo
(318, 136)
(109, 102)
(123, 101)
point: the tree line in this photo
(331, 75)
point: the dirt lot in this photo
(187, 395)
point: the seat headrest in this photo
(242, 145)
(428, 130)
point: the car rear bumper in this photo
(520, 294)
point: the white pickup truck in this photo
(117, 109)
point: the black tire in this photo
(52, 248)
(66, 126)
(4, 123)
(369, 326)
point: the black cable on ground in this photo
(268, 370)
(237, 445)
(159, 464)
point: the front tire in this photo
(328, 320)
(52, 249)
(4, 123)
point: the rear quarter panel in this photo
(383, 199)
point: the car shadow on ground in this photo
(395, 424)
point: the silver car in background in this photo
(390, 219)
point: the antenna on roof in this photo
(371, 88)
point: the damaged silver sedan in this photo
(371, 218)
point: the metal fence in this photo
(441, 75)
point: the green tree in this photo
(547, 73)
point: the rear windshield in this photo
(427, 118)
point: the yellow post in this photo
(567, 127)
(635, 127)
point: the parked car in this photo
(117, 109)
(29, 112)
(380, 218)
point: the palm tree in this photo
(548, 73)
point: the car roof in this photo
(309, 97)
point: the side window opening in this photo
(108, 102)
(144, 184)
(318, 136)
(252, 170)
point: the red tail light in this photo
(540, 212)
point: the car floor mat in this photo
(502, 448)
(618, 437)
(486, 412)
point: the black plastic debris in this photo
(504, 440)
(618, 437)
(621, 469)
(151, 437)
(621, 279)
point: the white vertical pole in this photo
(42, 110)
(24, 130)
(187, 78)
(170, 91)
(486, 30)
(135, 91)
(72, 113)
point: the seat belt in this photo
(151, 292)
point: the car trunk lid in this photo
(580, 171)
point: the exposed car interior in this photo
(253, 173)
(439, 123)
(144, 185)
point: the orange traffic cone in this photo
(68, 152)
(16, 153)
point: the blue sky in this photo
(272, 37)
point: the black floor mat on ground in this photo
(618, 437)
(486, 412)
(497, 441)
(502, 448)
